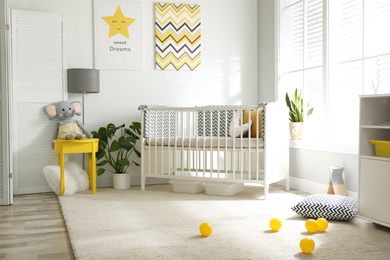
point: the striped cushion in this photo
(162, 123)
(211, 124)
(211, 120)
(328, 206)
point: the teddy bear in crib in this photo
(68, 128)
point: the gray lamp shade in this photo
(83, 80)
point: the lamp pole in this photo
(83, 111)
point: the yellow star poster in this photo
(118, 35)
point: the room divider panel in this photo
(37, 80)
(5, 177)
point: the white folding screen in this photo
(5, 197)
(37, 79)
(3, 175)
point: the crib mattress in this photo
(207, 142)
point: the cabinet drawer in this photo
(374, 191)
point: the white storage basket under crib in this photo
(223, 188)
(187, 186)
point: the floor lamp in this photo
(83, 81)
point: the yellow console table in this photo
(87, 145)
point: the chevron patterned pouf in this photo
(328, 206)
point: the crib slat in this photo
(175, 150)
(194, 133)
(226, 136)
(211, 143)
(162, 142)
(242, 150)
(169, 142)
(142, 151)
(155, 143)
(182, 143)
(188, 118)
(196, 145)
(149, 146)
(234, 147)
(218, 143)
(257, 145)
(249, 144)
(204, 143)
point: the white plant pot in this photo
(121, 181)
(296, 131)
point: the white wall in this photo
(229, 61)
(313, 167)
(267, 50)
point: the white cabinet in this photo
(374, 189)
(374, 171)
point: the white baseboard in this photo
(312, 187)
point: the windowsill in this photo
(316, 146)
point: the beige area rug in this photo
(161, 224)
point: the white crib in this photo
(207, 143)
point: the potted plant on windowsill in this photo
(297, 114)
(115, 152)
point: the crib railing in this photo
(202, 142)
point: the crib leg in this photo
(287, 184)
(143, 180)
(266, 191)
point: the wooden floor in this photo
(33, 228)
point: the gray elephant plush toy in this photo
(68, 128)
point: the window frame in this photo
(326, 145)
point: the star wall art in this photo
(118, 35)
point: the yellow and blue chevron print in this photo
(178, 36)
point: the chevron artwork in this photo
(178, 36)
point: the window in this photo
(334, 50)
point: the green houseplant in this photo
(115, 151)
(297, 113)
(296, 108)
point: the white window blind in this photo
(302, 54)
(335, 50)
(37, 81)
(360, 62)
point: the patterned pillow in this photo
(328, 206)
(235, 128)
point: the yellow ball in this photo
(275, 224)
(205, 229)
(322, 224)
(311, 225)
(307, 245)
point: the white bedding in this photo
(223, 142)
